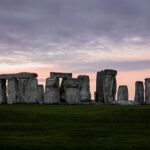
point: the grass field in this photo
(43, 127)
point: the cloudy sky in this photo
(79, 36)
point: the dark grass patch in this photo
(74, 127)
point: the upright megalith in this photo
(12, 91)
(32, 91)
(72, 91)
(3, 97)
(139, 92)
(147, 90)
(27, 88)
(64, 77)
(84, 83)
(52, 93)
(106, 86)
(41, 94)
(22, 87)
(123, 93)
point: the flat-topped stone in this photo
(61, 75)
(25, 75)
(110, 72)
(139, 92)
(122, 93)
(147, 90)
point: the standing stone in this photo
(72, 91)
(28, 90)
(106, 85)
(12, 91)
(84, 87)
(139, 92)
(32, 91)
(3, 98)
(22, 83)
(41, 94)
(147, 90)
(52, 94)
(123, 93)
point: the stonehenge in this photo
(21, 88)
(139, 92)
(63, 88)
(70, 90)
(123, 93)
(106, 86)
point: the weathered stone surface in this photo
(61, 75)
(25, 75)
(22, 90)
(139, 92)
(3, 98)
(41, 94)
(72, 91)
(106, 86)
(52, 82)
(52, 93)
(32, 91)
(84, 87)
(147, 90)
(123, 93)
(12, 91)
(28, 90)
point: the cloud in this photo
(82, 35)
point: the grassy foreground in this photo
(43, 127)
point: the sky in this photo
(78, 36)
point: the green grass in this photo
(43, 127)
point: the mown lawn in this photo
(74, 127)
